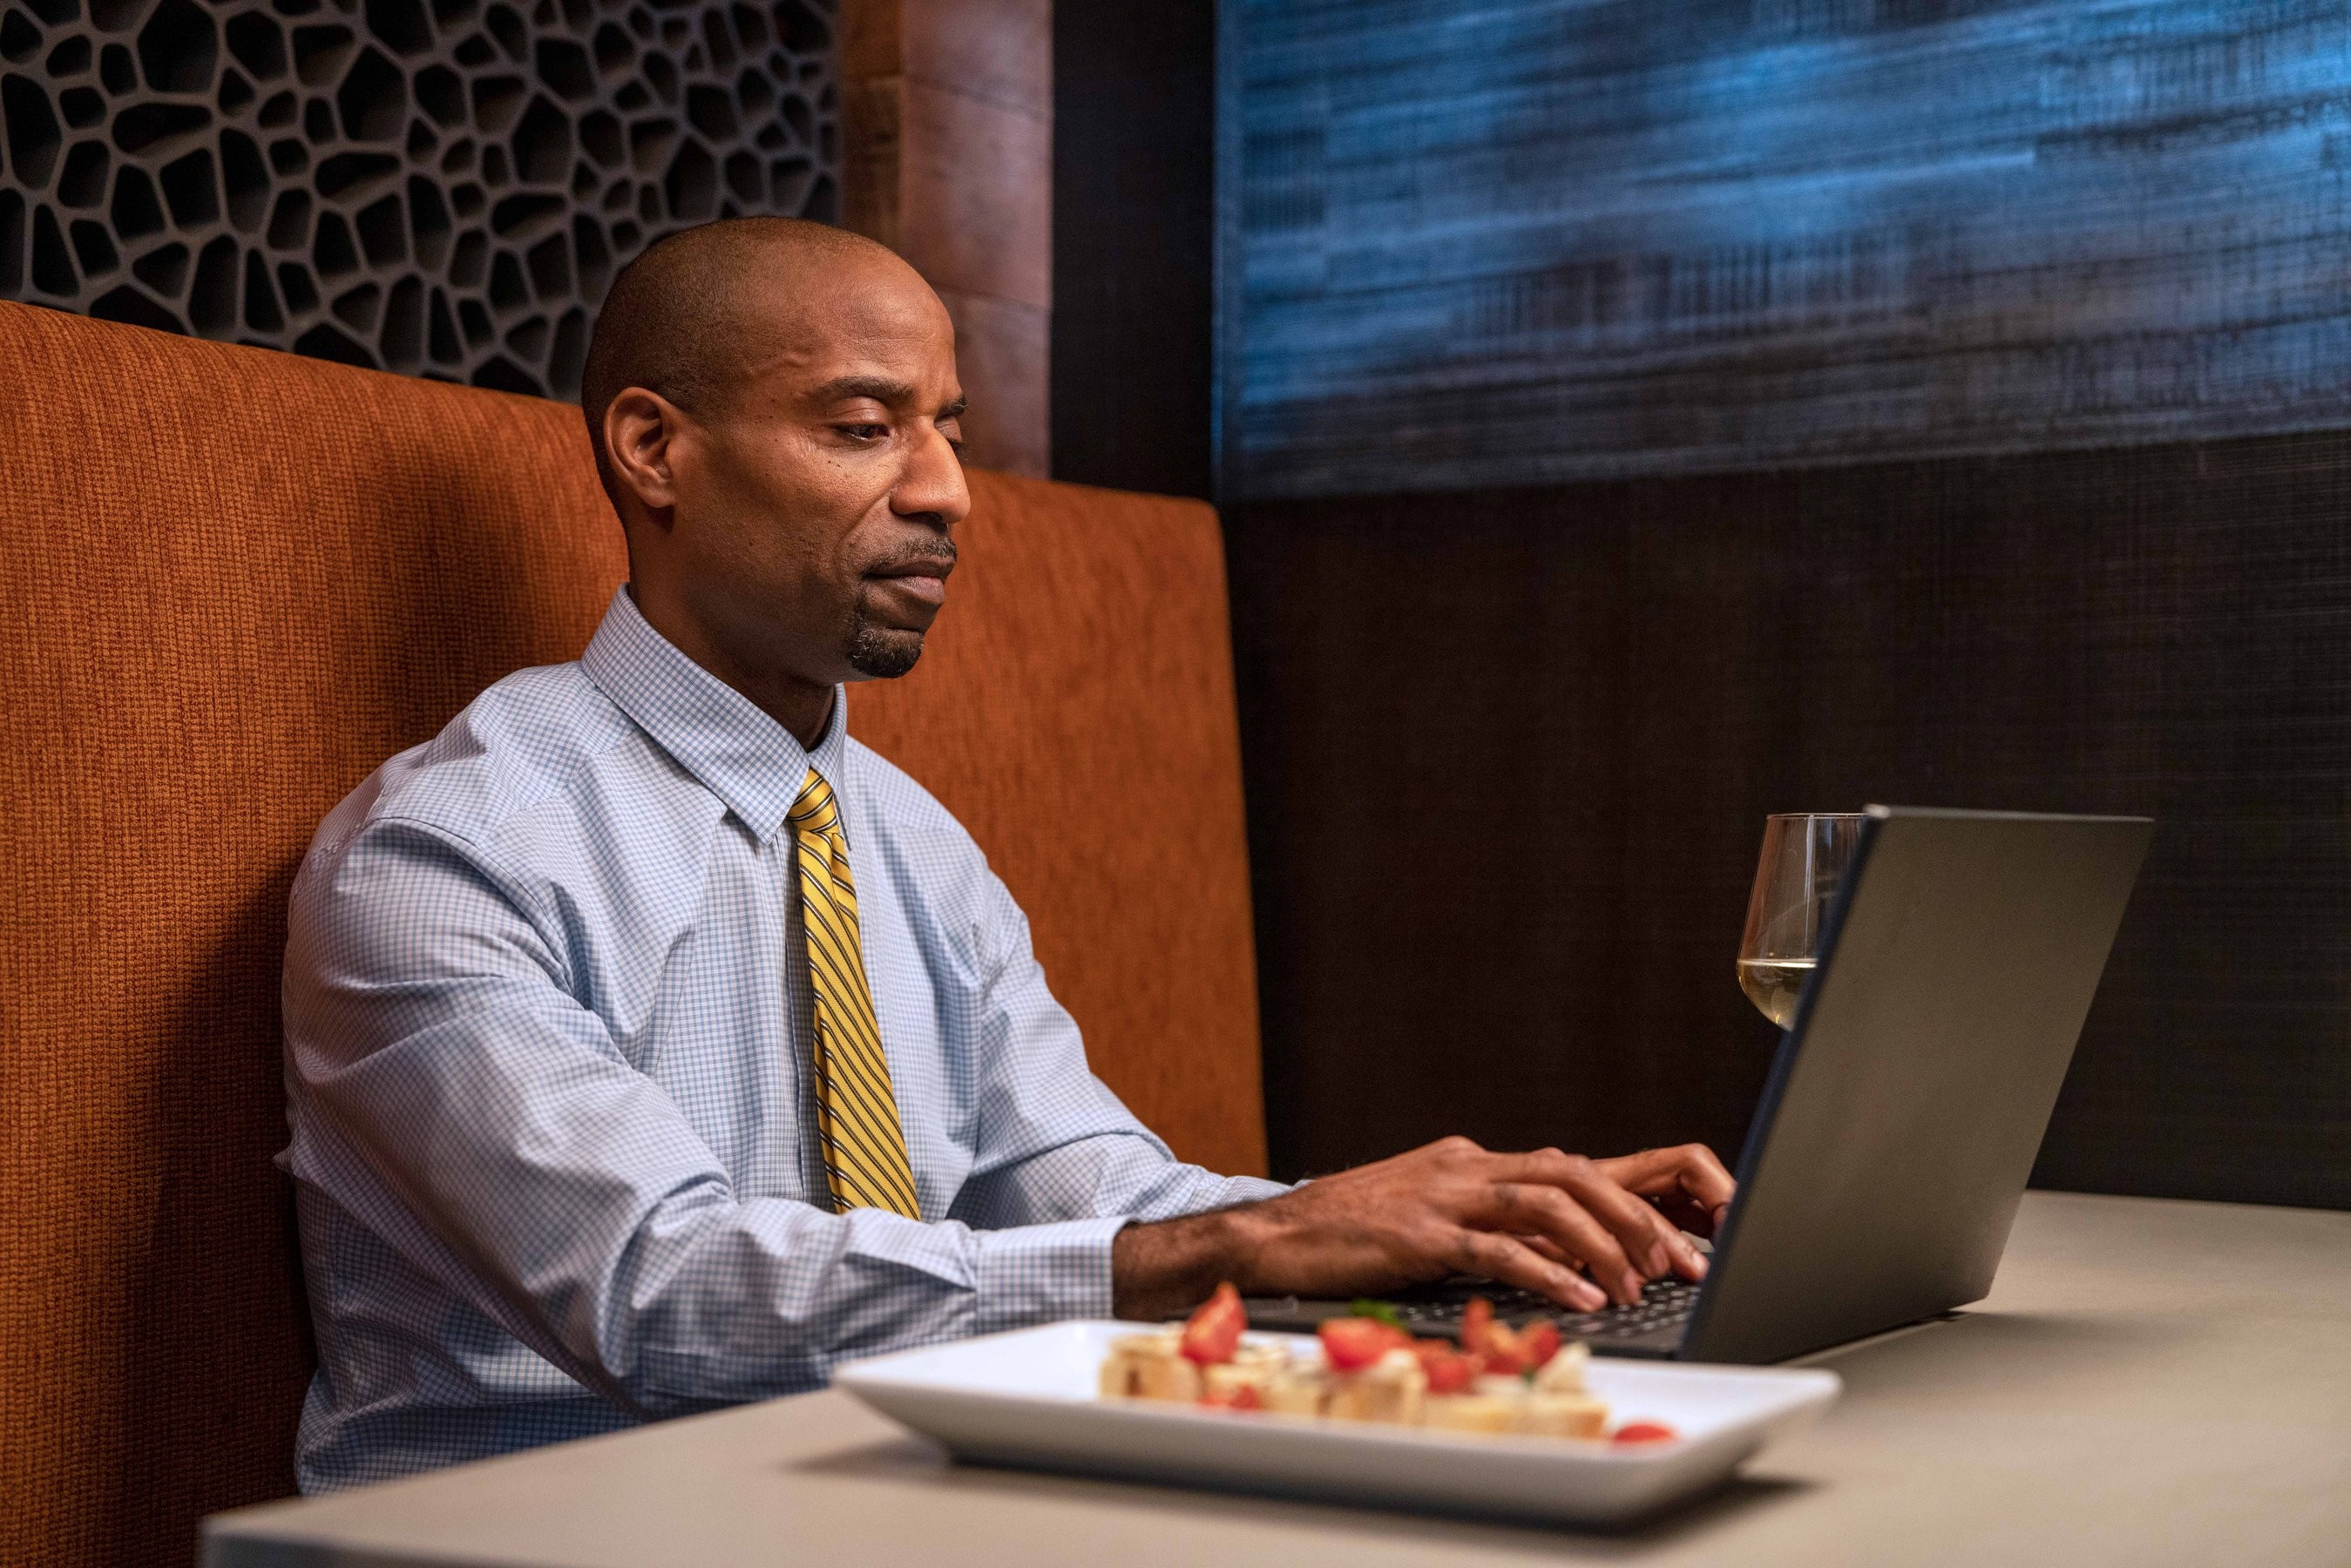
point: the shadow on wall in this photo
(213, 1273)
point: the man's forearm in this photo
(1159, 1270)
(1532, 1220)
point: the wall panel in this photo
(1134, 244)
(1509, 753)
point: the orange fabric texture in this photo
(238, 581)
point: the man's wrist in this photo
(1169, 1266)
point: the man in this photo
(651, 1045)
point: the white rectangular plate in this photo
(1028, 1398)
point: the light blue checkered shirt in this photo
(553, 1145)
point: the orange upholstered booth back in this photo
(238, 580)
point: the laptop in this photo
(1902, 1114)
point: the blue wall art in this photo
(1530, 241)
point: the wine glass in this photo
(1805, 854)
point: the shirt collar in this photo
(715, 732)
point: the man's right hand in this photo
(1449, 1207)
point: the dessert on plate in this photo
(1497, 1380)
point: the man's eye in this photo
(864, 432)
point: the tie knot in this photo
(814, 808)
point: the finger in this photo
(1691, 1170)
(1666, 1249)
(1547, 1247)
(1514, 1262)
(1546, 1211)
(1686, 1181)
(1688, 1262)
(1651, 1172)
(1632, 1222)
(1705, 1180)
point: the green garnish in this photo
(1366, 1307)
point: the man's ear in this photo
(640, 428)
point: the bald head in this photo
(778, 420)
(695, 314)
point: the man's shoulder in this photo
(532, 741)
(943, 877)
(897, 801)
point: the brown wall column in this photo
(948, 142)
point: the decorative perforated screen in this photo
(438, 187)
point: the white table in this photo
(2149, 1383)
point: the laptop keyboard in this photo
(1433, 1312)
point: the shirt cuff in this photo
(1256, 1188)
(1041, 1273)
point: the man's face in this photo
(809, 533)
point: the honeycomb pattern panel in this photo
(437, 187)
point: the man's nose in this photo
(932, 484)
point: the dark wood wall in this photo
(1133, 244)
(1509, 752)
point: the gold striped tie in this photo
(856, 1111)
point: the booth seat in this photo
(238, 580)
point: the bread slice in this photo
(1391, 1389)
(1488, 1413)
(1149, 1366)
(1562, 1416)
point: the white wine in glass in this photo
(1805, 854)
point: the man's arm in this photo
(450, 1093)
(1055, 1143)
(1530, 1219)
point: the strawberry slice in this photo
(1213, 1333)
(1632, 1432)
(1477, 1319)
(1245, 1397)
(1448, 1371)
(1351, 1344)
(1504, 1352)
